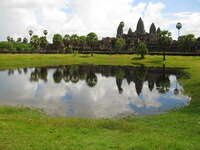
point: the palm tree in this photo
(8, 38)
(92, 39)
(66, 40)
(82, 42)
(142, 49)
(165, 40)
(58, 42)
(30, 32)
(178, 26)
(45, 32)
(74, 40)
(43, 42)
(35, 42)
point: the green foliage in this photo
(45, 32)
(25, 40)
(165, 39)
(35, 42)
(30, 32)
(23, 47)
(7, 46)
(19, 40)
(92, 39)
(12, 46)
(187, 42)
(58, 42)
(43, 42)
(120, 43)
(67, 40)
(142, 49)
(74, 39)
(82, 41)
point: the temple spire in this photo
(140, 26)
(158, 30)
(152, 29)
(130, 31)
(120, 30)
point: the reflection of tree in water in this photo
(119, 79)
(163, 82)
(19, 71)
(11, 72)
(35, 75)
(151, 85)
(57, 76)
(66, 75)
(43, 73)
(140, 76)
(91, 78)
(25, 70)
(176, 90)
(39, 73)
(74, 73)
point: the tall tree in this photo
(35, 42)
(92, 39)
(45, 32)
(142, 49)
(67, 41)
(82, 42)
(25, 40)
(120, 43)
(74, 39)
(165, 40)
(58, 42)
(8, 38)
(43, 42)
(19, 40)
(187, 42)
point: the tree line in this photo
(90, 42)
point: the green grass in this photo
(27, 129)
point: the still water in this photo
(94, 91)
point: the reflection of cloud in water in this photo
(103, 100)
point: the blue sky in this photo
(174, 6)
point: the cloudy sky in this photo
(100, 16)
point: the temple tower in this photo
(140, 27)
(120, 30)
(153, 33)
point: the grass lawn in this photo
(27, 129)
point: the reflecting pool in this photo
(94, 91)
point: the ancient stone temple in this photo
(140, 35)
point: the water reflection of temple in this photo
(156, 77)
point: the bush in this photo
(7, 46)
(11, 46)
(23, 47)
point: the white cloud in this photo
(81, 17)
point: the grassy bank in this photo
(26, 129)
